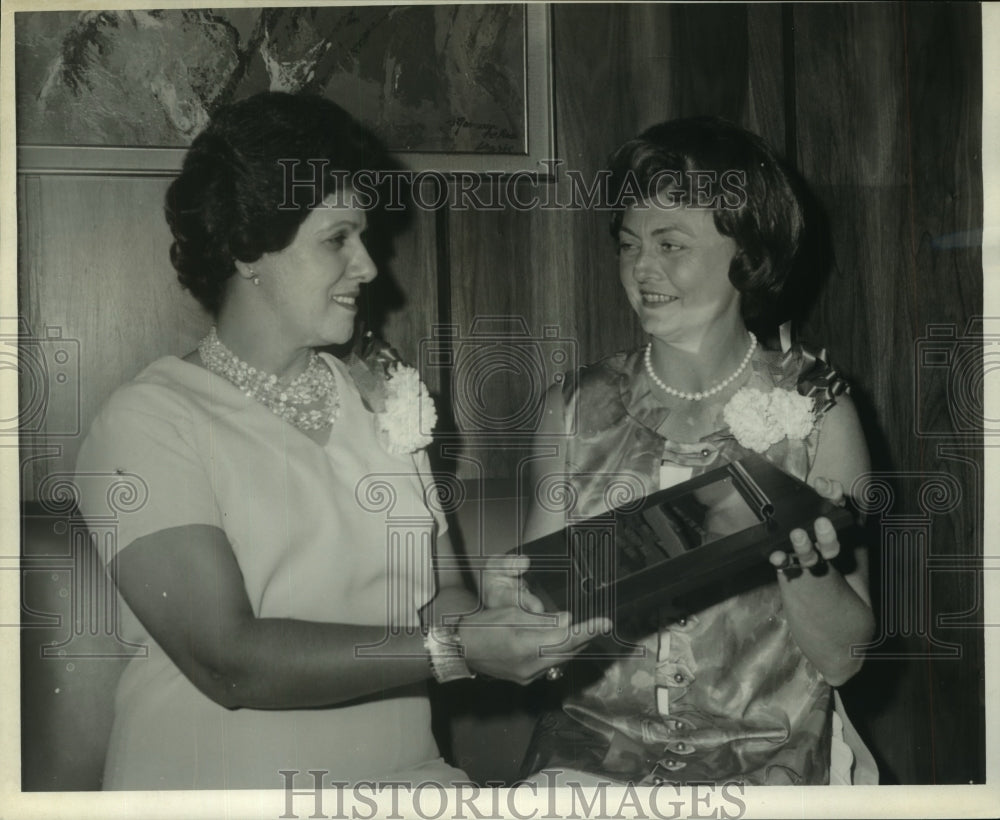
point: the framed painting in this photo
(464, 87)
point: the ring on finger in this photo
(793, 565)
(553, 673)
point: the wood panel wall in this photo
(879, 105)
(892, 150)
(93, 259)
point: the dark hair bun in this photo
(233, 201)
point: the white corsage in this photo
(760, 420)
(405, 422)
(403, 409)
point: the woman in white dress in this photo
(277, 559)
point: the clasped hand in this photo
(514, 638)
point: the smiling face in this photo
(312, 285)
(674, 266)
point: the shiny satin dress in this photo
(723, 693)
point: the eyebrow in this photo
(360, 224)
(659, 231)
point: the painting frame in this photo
(538, 116)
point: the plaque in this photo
(681, 548)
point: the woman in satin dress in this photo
(742, 689)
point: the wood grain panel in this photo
(509, 271)
(622, 54)
(766, 103)
(944, 93)
(401, 304)
(709, 73)
(859, 187)
(95, 268)
(887, 113)
(849, 91)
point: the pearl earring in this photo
(253, 276)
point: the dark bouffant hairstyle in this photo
(755, 198)
(233, 199)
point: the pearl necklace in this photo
(704, 394)
(287, 401)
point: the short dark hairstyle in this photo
(232, 200)
(754, 196)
